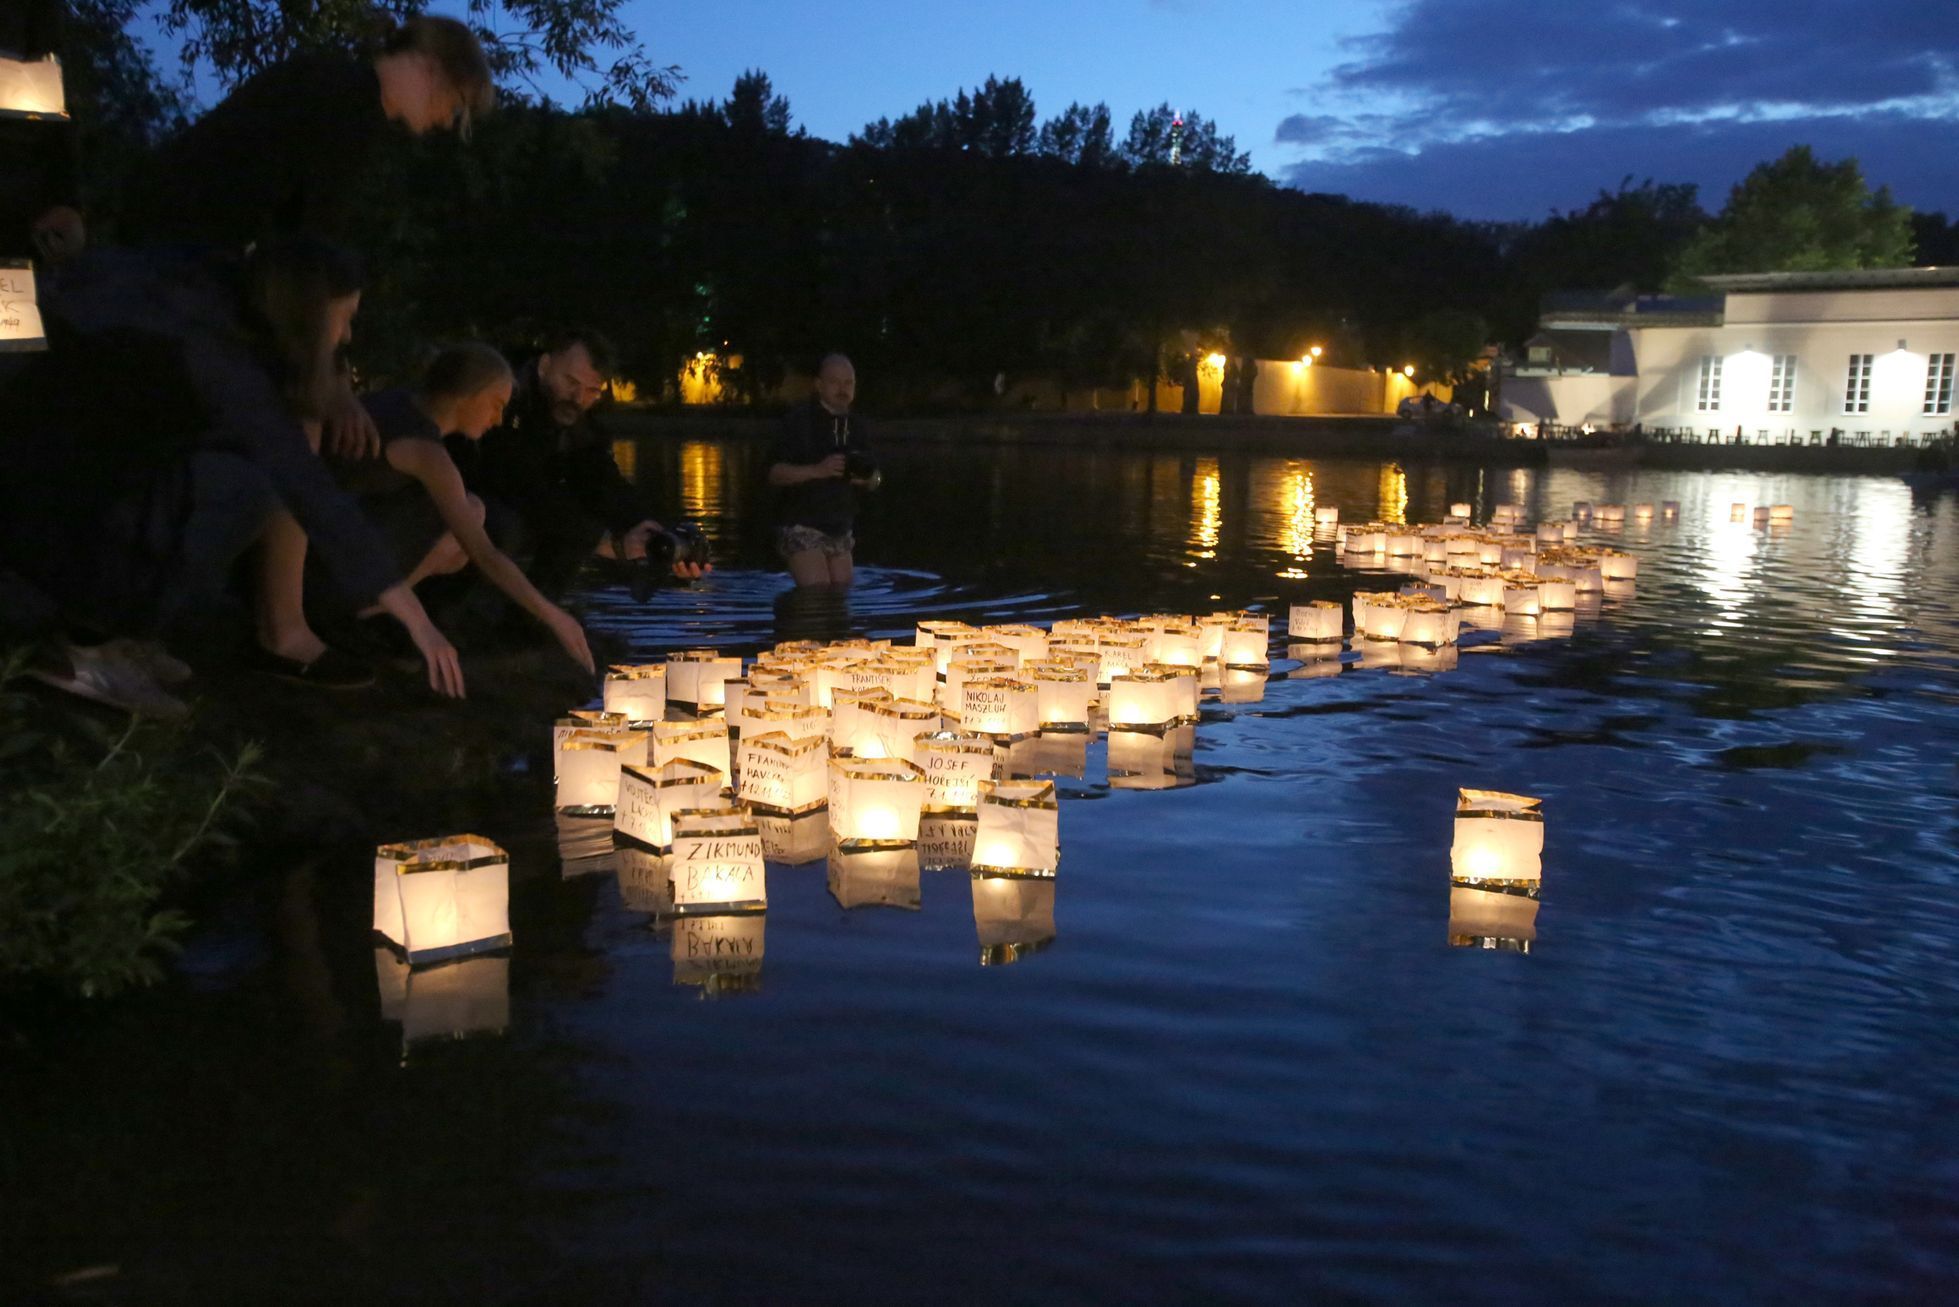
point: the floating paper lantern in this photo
(1669, 509)
(793, 841)
(1460, 509)
(1384, 617)
(928, 634)
(639, 693)
(1019, 829)
(1013, 917)
(1064, 694)
(897, 724)
(442, 898)
(580, 719)
(1611, 513)
(717, 862)
(1246, 642)
(1320, 620)
(795, 720)
(1403, 544)
(1491, 919)
(1489, 552)
(852, 728)
(1029, 643)
(457, 999)
(1180, 645)
(1001, 707)
(1142, 700)
(1581, 509)
(1551, 533)
(1504, 514)
(588, 768)
(1782, 512)
(920, 679)
(961, 670)
(875, 878)
(1615, 566)
(1326, 515)
(867, 674)
(703, 741)
(954, 767)
(1482, 591)
(1051, 753)
(721, 953)
(1427, 622)
(695, 678)
(945, 841)
(1556, 595)
(975, 652)
(645, 881)
(1520, 594)
(1366, 541)
(784, 776)
(1435, 551)
(1124, 652)
(649, 796)
(1642, 512)
(875, 801)
(1188, 683)
(1499, 838)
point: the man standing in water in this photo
(822, 459)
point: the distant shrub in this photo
(97, 824)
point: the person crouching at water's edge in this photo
(821, 462)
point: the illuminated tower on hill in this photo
(1177, 139)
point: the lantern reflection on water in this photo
(450, 1000)
(645, 883)
(1148, 760)
(1499, 839)
(783, 776)
(716, 865)
(1240, 685)
(1019, 829)
(1315, 660)
(793, 841)
(1051, 753)
(875, 801)
(882, 878)
(444, 897)
(1491, 919)
(584, 844)
(1013, 917)
(945, 842)
(588, 768)
(639, 693)
(722, 954)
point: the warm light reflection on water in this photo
(703, 479)
(1394, 493)
(1206, 509)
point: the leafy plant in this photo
(97, 825)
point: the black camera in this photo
(683, 542)
(859, 466)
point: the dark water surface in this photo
(1249, 1065)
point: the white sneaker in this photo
(106, 675)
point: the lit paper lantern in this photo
(852, 728)
(1246, 643)
(1320, 620)
(875, 801)
(1427, 622)
(1615, 566)
(1551, 533)
(954, 767)
(1188, 685)
(1064, 694)
(1642, 512)
(1029, 643)
(999, 707)
(580, 719)
(1051, 753)
(1499, 838)
(1520, 594)
(875, 878)
(720, 953)
(1782, 512)
(866, 674)
(1581, 509)
(457, 999)
(442, 898)
(1180, 645)
(1019, 830)
(945, 842)
(1326, 515)
(717, 862)
(896, 726)
(32, 89)
(795, 720)
(702, 741)
(637, 692)
(1403, 544)
(1014, 918)
(1433, 591)
(1489, 552)
(794, 841)
(695, 678)
(975, 652)
(1463, 550)
(1435, 551)
(588, 769)
(1669, 509)
(928, 634)
(1556, 595)
(1382, 617)
(649, 796)
(1124, 651)
(1460, 509)
(1611, 514)
(784, 776)
(920, 681)
(1143, 700)
(1482, 591)
(1491, 919)
(1505, 514)
(962, 670)
(645, 882)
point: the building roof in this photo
(1843, 279)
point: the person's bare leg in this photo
(842, 569)
(809, 567)
(282, 627)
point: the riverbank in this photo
(1299, 437)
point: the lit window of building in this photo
(1938, 385)
(1782, 384)
(1708, 396)
(1857, 385)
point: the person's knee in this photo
(477, 512)
(448, 556)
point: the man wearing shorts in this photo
(820, 446)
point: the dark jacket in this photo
(150, 359)
(810, 433)
(537, 465)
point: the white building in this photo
(1782, 357)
